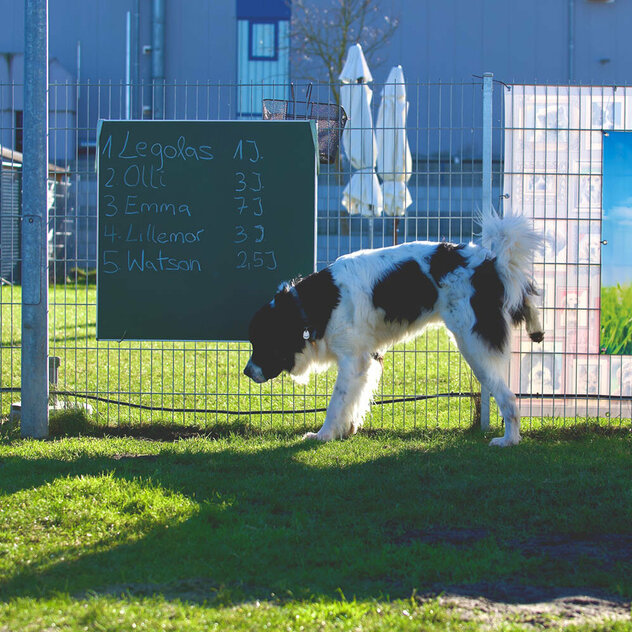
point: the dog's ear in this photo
(282, 289)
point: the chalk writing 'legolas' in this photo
(179, 150)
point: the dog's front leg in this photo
(357, 377)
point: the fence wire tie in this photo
(495, 81)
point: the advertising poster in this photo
(616, 251)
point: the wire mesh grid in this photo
(426, 383)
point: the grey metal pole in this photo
(128, 66)
(34, 413)
(488, 88)
(136, 110)
(571, 40)
(158, 58)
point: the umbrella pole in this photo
(371, 221)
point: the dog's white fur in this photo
(358, 334)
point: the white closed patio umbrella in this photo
(394, 161)
(362, 195)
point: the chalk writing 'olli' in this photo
(136, 176)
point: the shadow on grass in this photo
(280, 518)
(75, 423)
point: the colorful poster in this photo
(616, 250)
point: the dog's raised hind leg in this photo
(356, 381)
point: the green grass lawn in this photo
(243, 526)
(265, 531)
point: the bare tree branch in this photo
(321, 36)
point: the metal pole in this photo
(488, 88)
(571, 40)
(128, 66)
(34, 414)
(136, 111)
(158, 58)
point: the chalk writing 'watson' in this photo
(161, 263)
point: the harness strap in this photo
(308, 334)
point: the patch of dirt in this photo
(604, 549)
(195, 590)
(129, 456)
(457, 537)
(492, 604)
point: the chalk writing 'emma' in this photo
(180, 150)
(132, 207)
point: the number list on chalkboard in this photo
(198, 223)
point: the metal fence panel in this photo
(553, 173)
(426, 384)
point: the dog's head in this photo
(276, 334)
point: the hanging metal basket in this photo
(330, 120)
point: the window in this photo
(19, 129)
(263, 41)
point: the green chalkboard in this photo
(198, 223)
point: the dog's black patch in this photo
(319, 297)
(445, 259)
(378, 357)
(276, 334)
(519, 315)
(404, 293)
(276, 330)
(487, 303)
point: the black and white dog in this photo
(351, 312)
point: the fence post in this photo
(34, 380)
(488, 87)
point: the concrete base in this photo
(16, 409)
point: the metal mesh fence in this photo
(426, 383)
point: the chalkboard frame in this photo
(262, 290)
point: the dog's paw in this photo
(504, 442)
(316, 436)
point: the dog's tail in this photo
(513, 242)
